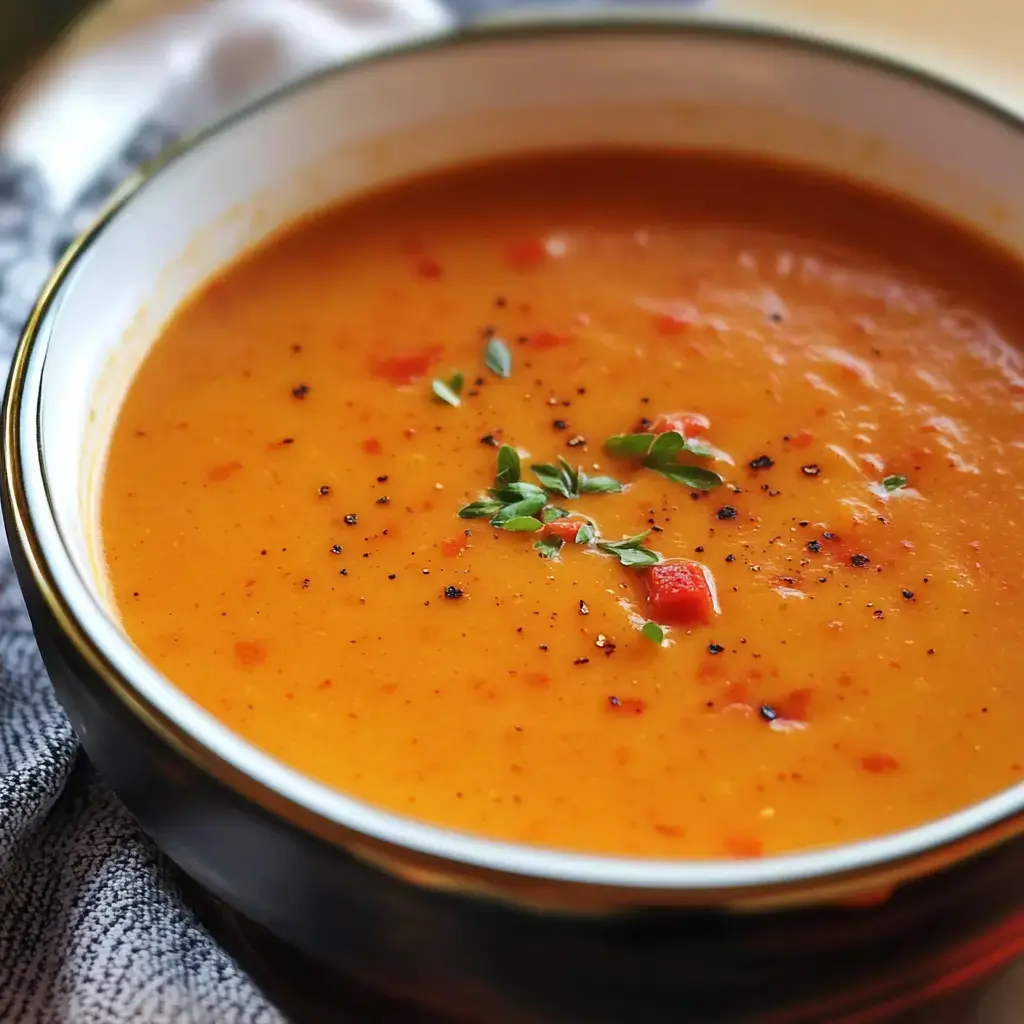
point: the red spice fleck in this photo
(325, 685)
(404, 369)
(538, 680)
(667, 325)
(526, 254)
(689, 424)
(627, 705)
(543, 340)
(564, 529)
(670, 831)
(223, 471)
(429, 269)
(250, 653)
(739, 844)
(801, 439)
(794, 706)
(879, 764)
(371, 446)
(452, 547)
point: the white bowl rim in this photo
(902, 854)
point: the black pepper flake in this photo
(584, 609)
(878, 613)
(646, 424)
(452, 593)
(576, 442)
(814, 545)
(382, 479)
(908, 595)
(305, 584)
(699, 549)
(392, 575)
(344, 572)
(490, 440)
(823, 579)
(768, 713)
(351, 519)
(859, 561)
(263, 551)
(335, 549)
(543, 647)
(727, 512)
(931, 650)
(761, 462)
(730, 558)
(829, 535)
(559, 424)
(300, 391)
(324, 490)
(615, 702)
(383, 499)
(582, 661)
(715, 648)
(811, 469)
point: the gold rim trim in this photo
(419, 867)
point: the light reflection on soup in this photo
(808, 394)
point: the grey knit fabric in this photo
(92, 928)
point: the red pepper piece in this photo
(543, 340)
(404, 369)
(428, 268)
(679, 593)
(689, 424)
(566, 529)
(525, 254)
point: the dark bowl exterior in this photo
(479, 959)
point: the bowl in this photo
(479, 929)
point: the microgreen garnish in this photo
(553, 512)
(629, 446)
(661, 452)
(497, 358)
(630, 550)
(653, 632)
(571, 483)
(519, 524)
(586, 534)
(449, 391)
(548, 547)
(479, 509)
(894, 482)
(509, 467)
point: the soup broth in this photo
(799, 402)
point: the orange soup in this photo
(642, 504)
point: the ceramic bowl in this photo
(483, 930)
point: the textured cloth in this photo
(92, 927)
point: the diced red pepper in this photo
(543, 340)
(525, 254)
(451, 547)
(371, 446)
(565, 529)
(689, 424)
(743, 846)
(428, 269)
(666, 324)
(801, 439)
(404, 369)
(679, 593)
(879, 764)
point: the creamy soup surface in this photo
(801, 401)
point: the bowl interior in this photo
(363, 125)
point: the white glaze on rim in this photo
(78, 591)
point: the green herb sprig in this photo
(630, 551)
(563, 480)
(661, 452)
(449, 391)
(498, 358)
(653, 632)
(894, 482)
